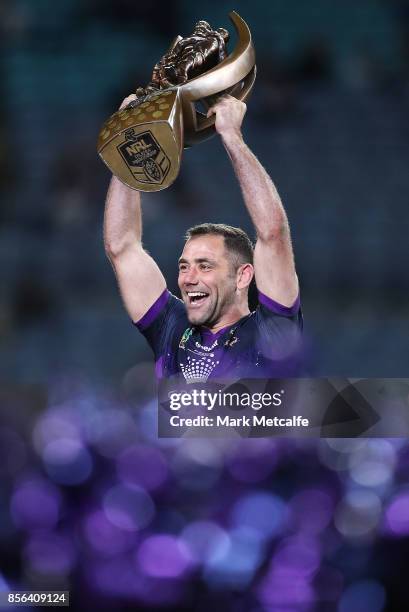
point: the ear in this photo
(244, 276)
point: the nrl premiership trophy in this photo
(142, 143)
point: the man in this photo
(211, 333)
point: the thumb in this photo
(127, 100)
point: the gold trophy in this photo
(142, 143)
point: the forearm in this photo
(123, 219)
(259, 193)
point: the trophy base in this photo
(142, 145)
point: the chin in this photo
(196, 319)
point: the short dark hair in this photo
(236, 240)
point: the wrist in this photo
(231, 137)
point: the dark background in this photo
(329, 120)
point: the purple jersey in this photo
(264, 344)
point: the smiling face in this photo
(207, 280)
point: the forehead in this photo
(208, 246)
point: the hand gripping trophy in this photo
(142, 144)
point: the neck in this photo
(230, 318)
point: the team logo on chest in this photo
(200, 360)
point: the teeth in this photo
(196, 294)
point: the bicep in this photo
(140, 281)
(275, 269)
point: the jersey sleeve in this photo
(280, 329)
(165, 320)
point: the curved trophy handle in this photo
(234, 75)
(241, 91)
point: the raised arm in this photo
(273, 255)
(139, 278)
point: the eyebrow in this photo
(198, 260)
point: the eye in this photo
(204, 266)
(182, 267)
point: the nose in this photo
(190, 277)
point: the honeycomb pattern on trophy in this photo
(155, 107)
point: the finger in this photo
(216, 103)
(127, 100)
(217, 99)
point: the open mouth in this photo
(197, 298)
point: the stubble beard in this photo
(214, 311)
(204, 318)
